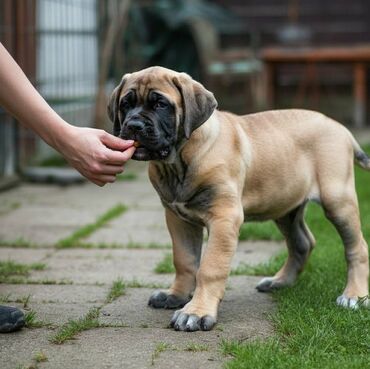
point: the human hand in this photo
(96, 154)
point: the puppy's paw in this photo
(163, 300)
(353, 302)
(181, 321)
(270, 283)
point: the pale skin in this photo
(96, 154)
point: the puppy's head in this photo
(158, 108)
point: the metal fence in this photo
(56, 44)
(67, 55)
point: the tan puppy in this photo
(216, 170)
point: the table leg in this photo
(359, 92)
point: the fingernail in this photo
(130, 141)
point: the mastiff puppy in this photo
(216, 170)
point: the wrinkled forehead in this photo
(145, 82)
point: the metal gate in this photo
(56, 44)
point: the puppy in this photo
(216, 170)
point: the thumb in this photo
(116, 143)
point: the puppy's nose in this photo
(135, 125)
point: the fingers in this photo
(102, 179)
(111, 169)
(118, 157)
(104, 173)
(93, 177)
(97, 182)
(108, 161)
(116, 143)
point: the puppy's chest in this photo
(185, 200)
(182, 210)
(182, 202)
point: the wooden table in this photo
(357, 56)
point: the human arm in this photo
(96, 154)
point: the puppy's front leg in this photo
(201, 312)
(187, 242)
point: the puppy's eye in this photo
(160, 104)
(125, 105)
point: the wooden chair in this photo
(226, 65)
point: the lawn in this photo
(311, 331)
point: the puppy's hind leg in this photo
(187, 242)
(300, 242)
(343, 212)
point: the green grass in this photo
(10, 270)
(74, 239)
(126, 176)
(17, 243)
(23, 280)
(150, 245)
(268, 268)
(165, 266)
(25, 301)
(69, 330)
(90, 245)
(134, 283)
(129, 245)
(10, 207)
(5, 298)
(31, 320)
(311, 331)
(40, 357)
(118, 289)
(160, 347)
(196, 347)
(260, 231)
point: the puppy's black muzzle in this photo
(141, 131)
(152, 146)
(135, 126)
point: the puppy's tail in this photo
(361, 158)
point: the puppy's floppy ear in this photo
(113, 106)
(198, 103)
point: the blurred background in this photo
(252, 54)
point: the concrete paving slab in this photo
(28, 194)
(98, 199)
(179, 359)
(108, 348)
(24, 255)
(242, 316)
(256, 252)
(131, 349)
(132, 310)
(44, 214)
(43, 225)
(92, 266)
(54, 315)
(242, 312)
(67, 294)
(58, 314)
(17, 349)
(143, 226)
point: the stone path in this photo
(75, 280)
